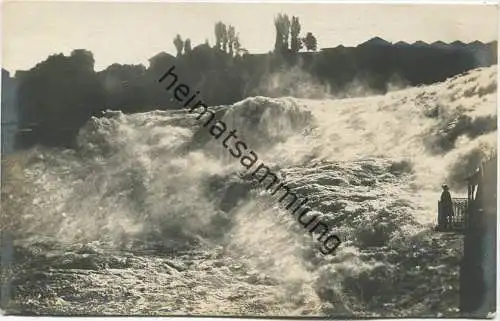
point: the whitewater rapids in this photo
(152, 216)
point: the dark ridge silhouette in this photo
(401, 44)
(420, 43)
(458, 44)
(58, 95)
(375, 41)
(440, 44)
(476, 43)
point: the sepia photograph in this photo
(292, 160)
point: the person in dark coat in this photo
(446, 206)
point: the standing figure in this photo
(446, 210)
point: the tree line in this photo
(227, 40)
(59, 95)
(290, 30)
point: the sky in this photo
(131, 33)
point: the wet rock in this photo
(89, 248)
(178, 266)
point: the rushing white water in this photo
(372, 167)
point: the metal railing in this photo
(459, 218)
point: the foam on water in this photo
(372, 167)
